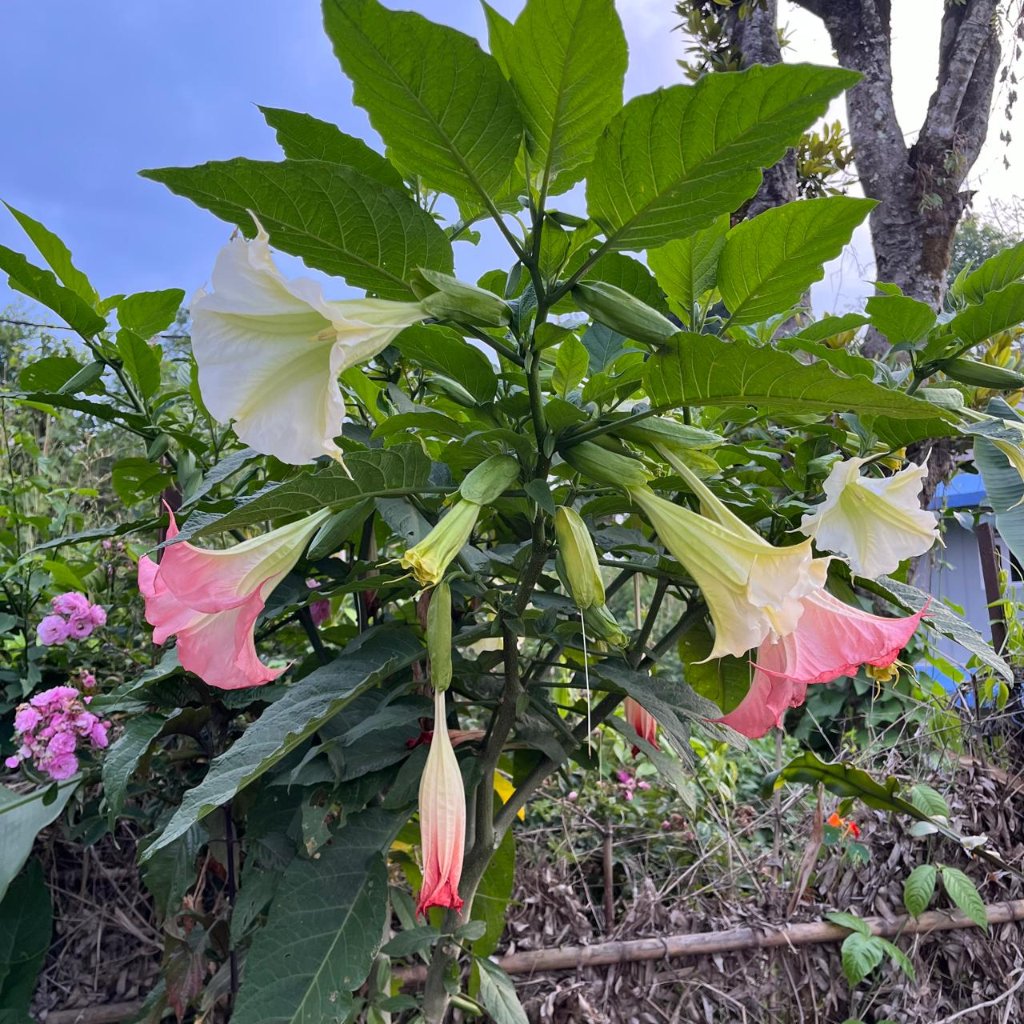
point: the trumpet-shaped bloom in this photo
(442, 819)
(875, 522)
(431, 556)
(269, 351)
(642, 721)
(832, 639)
(211, 600)
(752, 588)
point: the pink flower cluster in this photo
(73, 618)
(49, 727)
(629, 782)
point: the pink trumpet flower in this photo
(211, 600)
(832, 639)
(442, 819)
(643, 722)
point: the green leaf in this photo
(498, 994)
(900, 959)
(304, 708)
(567, 62)
(571, 363)
(993, 275)
(851, 921)
(446, 352)
(42, 286)
(918, 889)
(136, 479)
(839, 358)
(722, 680)
(50, 373)
(768, 262)
(499, 37)
(940, 618)
(412, 940)
(901, 319)
(149, 313)
(324, 926)
(929, 800)
(996, 312)
(303, 137)
(860, 955)
(57, 255)
(687, 268)
(141, 360)
(490, 905)
(376, 473)
(962, 891)
(441, 104)
(22, 817)
(674, 160)
(631, 276)
(332, 217)
(26, 924)
(699, 369)
(123, 758)
(603, 344)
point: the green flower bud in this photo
(439, 636)
(451, 299)
(577, 559)
(659, 431)
(982, 375)
(490, 479)
(429, 559)
(623, 312)
(606, 467)
(601, 623)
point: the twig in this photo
(989, 1002)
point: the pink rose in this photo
(52, 630)
(98, 615)
(71, 604)
(80, 627)
(26, 719)
(62, 767)
(12, 762)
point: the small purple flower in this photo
(52, 630)
(71, 604)
(80, 627)
(98, 735)
(88, 680)
(26, 719)
(320, 611)
(62, 767)
(98, 615)
(12, 762)
(62, 743)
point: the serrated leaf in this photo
(446, 352)
(123, 758)
(940, 618)
(498, 994)
(149, 313)
(42, 286)
(376, 473)
(700, 369)
(996, 312)
(687, 268)
(305, 707)
(330, 216)
(567, 90)
(571, 363)
(674, 160)
(324, 926)
(57, 255)
(768, 262)
(303, 137)
(860, 955)
(901, 319)
(962, 891)
(993, 275)
(22, 817)
(919, 888)
(441, 104)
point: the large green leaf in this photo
(498, 994)
(289, 721)
(963, 892)
(441, 104)
(376, 473)
(26, 924)
(149, 313)
(687, 268)
(699, 369)
(1004, 487)
(332, 217)
(918, 889)
(900, 318)
(22, 817)
(124, 756)
(57, 255)
(567, 62)
(447, 352)
(996, 312)
(674, 160)
(325, 924)
(490, 905)
(770, 261)
(42, 286)
(993, 275)
(303, 137)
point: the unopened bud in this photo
(660, 431)
(606, 467)
(490, 479)
(601, 624)
(451, 299)
(577, 559)
(622, 312)
(431, 556)
(439, 636)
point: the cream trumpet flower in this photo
(269, 350)
(753, 589)
(874, 522)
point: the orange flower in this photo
(850, 828)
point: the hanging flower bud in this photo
(429, 559)
(442, 819)
(618, 309)
(577, 559)
(601, 624)
(643, 722)
(606, 467)
(439, 636)
(448, 298)
(489, 481)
